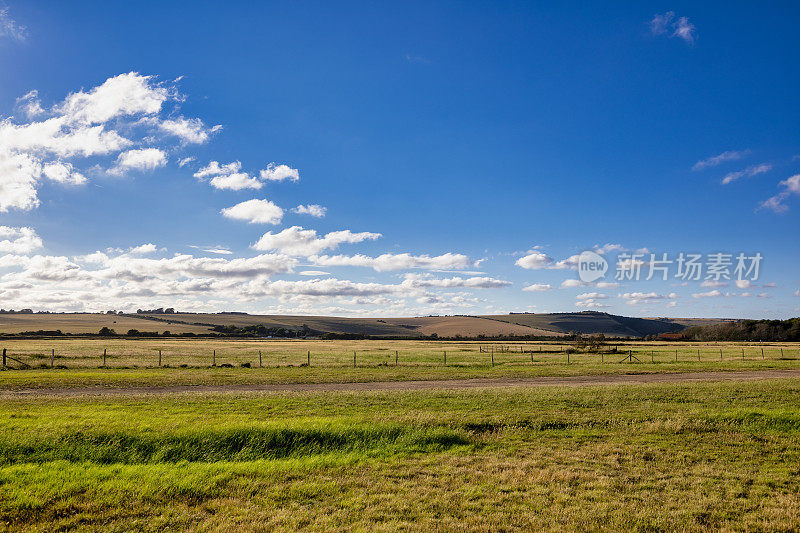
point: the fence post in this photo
(4, 357)
(53, 358)
(531, 356)
(676, 356)
(104, 356)
(309, 357)
(781, 353)
(762, 353)
(698, 354)
(259, 359)
(214, 358)
(354, 358)
(651, 356)
(567, 356)
(445, 357)
(395, 358)
(159, 358)
(742, 354)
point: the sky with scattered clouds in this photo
(362, 159)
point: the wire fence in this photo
(263, 355)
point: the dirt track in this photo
(572, 381)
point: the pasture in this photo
(663, 456)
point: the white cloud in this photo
(297, 241)
(311, 209)
(776, 203)
(255, 212)
(607, 285)
(609, 247)
(681, 27)
(483, 282)
(534, 261)
(30, 104)
(228, 176)
(185, 161)
(591, 296)
(63, 173)
(569, 283)
(714, 284)
(143, 249)
(710, 294)
(18, 240)
(538, 287)
(188, 130)
(85, 124)
(404, 261)
(146, 159)
(743, 283)
(275, 172)
(314, 273)
(637, 298)
(730, 155)
(10, 28)
(749, 172)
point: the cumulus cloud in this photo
(188, 130)
(121, 114)
(297, 241)
(21, 241)
(275, 172)
(144, 160)
(255, 212)
(724, 157)
(534, 261)
(310, 209)
(637, 298)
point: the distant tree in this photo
(106, 332)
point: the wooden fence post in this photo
(214, 358)
(445, 357)
(354, 358)
(53, 358)
(4, 357)
(395, 358)
(309, 357)
(762, 353)
(259, 359)
(698, 354)
(742, 354)
(104, 357)
(676, 356)
(651, 356)
(159, 358)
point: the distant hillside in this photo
(591, 322)
(519, 325)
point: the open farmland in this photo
(513, 325)
(635, 457)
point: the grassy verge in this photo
(645, 457)
(166, 377)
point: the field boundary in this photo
(471, 383)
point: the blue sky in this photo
(486, 144)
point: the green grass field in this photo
(79, 362)
(669, 456)
(646, 457)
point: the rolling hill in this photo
(515, 324)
